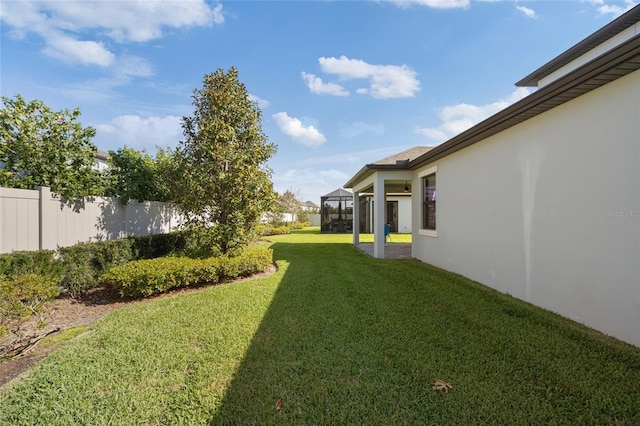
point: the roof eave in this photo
(589, 77)
(369, 169)
(616, 26)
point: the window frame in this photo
(423, 175)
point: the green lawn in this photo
(334, 337)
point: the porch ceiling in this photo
(391, 187)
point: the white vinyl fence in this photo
(36, 219)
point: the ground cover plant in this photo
(333, 337)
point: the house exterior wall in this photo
(549, 210)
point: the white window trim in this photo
(428, 232)
(427, 172)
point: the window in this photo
(429, 202)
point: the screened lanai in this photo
(337, 212)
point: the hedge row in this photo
(154, 276)
(79, 267)
(269, 229)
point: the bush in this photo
(23, 296)
(84, 263)
(300, 225)
(79, 267)
(153, 276)
(106, 254)
(43, 262)
(278, 230)
(158, 245)
(79, 274)
(268, 229)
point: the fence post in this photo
(45, 219)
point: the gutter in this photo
(604, 69)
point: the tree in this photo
(41, 147)
(133, 175)
(223, 182)
(288, 202)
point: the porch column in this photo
(356, 218)
(379, 200)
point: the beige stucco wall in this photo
(549, 210)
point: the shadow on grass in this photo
(352, 340)
(324, 352)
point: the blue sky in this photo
(340, 83)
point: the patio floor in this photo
(391, 250)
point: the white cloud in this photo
(359, 128)
(68, 49)
(529, 13)
(616, 10)
(316, 85)
(262, 103)
(435, 4)
(458, 118)
(132, 66)
(610, 8)
(293, 127)
(60, 24)
(139, 132)
(386, 81)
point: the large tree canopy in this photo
(224, 183)
(133, 175)
(41, 147)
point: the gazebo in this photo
(337, 212)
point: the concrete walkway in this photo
(391, 250)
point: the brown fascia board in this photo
(575, 84)
(616, 26)
(368, 169)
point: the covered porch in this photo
(371, 186)
(371, 212)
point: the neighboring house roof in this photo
(338, 193)
(311, 204)
(396, 161)
(102, 155)
(619, 61)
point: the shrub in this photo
(79, 267)
(106, 254)
(24, 295)
(278, 230)
(84, 263)
(300, 225)
(79, 271)
(42, 262)
(153, 276)
(158, 245)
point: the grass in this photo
(334, 337)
